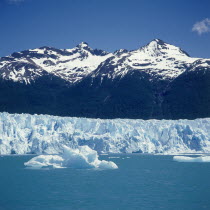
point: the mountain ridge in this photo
(156, 81)
(74, 64)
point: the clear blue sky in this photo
(104, 24)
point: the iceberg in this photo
(44, 134)
(83, 158)
(191, 159)
(42, 161)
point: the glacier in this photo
(44, 134)
(81, 158)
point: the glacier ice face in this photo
(83, 157)
(191, 159)
(43, 134)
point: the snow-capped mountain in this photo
(69, 64)
(158, 80)
(24, 133)
(158, 59)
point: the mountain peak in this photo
(158, 47)
(120, 52)
(159, 41)
(83, 45)
(156, 44)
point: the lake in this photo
(141, 182)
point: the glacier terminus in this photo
(45, 134)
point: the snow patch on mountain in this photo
(201, 63)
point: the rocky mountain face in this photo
(158, 81)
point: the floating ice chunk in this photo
(83, 157)
(125, 158)
(191, 159)
(41, 161)
(106, 165)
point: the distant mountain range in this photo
(158, 81)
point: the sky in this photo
(104, 24)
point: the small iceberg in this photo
(191, 159)
(81, 158)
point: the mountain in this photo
(71, 65)
(158, 80)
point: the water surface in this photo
(141, 182)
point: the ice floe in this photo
(83, 158)
(191, 159)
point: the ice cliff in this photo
(43, 134)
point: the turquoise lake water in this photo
(141, 182)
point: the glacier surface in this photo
(83, 158)
(44, 134)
